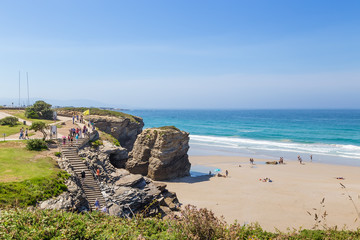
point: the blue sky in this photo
(183, 54)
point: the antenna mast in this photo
(19, 90)
(27, 78)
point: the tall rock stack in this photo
(160, 153)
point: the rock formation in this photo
(160, 153)
(125, 130)
(125, 193)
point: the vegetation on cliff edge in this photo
(192, 224)
(27, 177)
(100, 112)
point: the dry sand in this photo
(280, 204)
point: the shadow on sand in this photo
(195, 179)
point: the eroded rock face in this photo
(126, 193)
(125, 130)
(160, 153)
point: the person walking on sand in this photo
(226, 173)
(310, 158)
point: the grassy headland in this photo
(21, 114)
(99, 112)
(27, 177)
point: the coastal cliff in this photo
(124, 193)
(160, 154)
(124, 127)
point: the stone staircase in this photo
(90, 185)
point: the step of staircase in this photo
(90, 184)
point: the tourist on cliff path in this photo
(83, 176)
(97, 205)
(98, 174)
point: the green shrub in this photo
(31, 114)
(52, 224)
(57, 154)
(96, 143)
(29, 192)
(36, 145)
(11, 121)
(40, 109)
(101, 112)
(116, 143)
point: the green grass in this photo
(21, 114)
(11, 130)
(169, 128)
(51, 224)
(100, 112)
(108, 137)
(27, 177)
(17, 164)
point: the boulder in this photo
(160, 154)
(115, 210)
(131, 180)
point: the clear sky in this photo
(183, 54)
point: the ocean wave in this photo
(236, 143)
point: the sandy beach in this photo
(282, 203)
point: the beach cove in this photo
(295, 191)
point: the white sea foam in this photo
(237, 144)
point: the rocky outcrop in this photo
(124, 129)
(127, 193)
(160, 154)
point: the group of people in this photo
(76, 133)
(24, 134)
(77, 118)
(251, 161)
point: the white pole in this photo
(27, 78)
(19, 90)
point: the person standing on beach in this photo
(226, 173)
(310, 158)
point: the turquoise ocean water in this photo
(331, 136)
